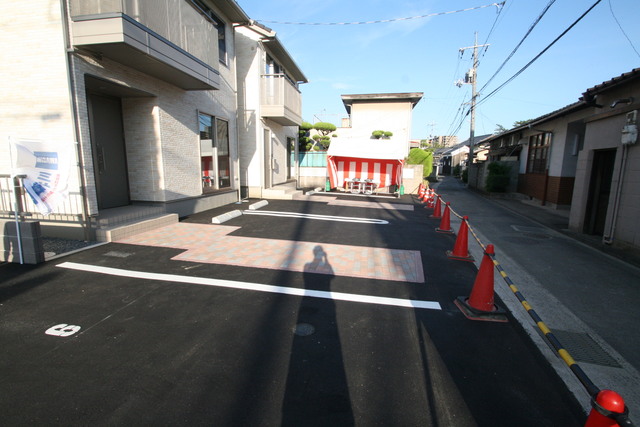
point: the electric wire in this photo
(510, 79)
(382, 21)
(515, 49)
(493, 27)
(621, 29)
(535, 58)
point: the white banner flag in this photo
(47, 167)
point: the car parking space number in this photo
(62, 330)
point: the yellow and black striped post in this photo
(591, 388)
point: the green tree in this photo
(418, 156)
(324, 139)
(519, 123)
(499, 129)
(498, 178)
(381, 134)
(304, 142)
(324, 128)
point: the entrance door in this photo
(599, 191)
(109, 155)
(290, 151)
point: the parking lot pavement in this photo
(136, 333)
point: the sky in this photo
(423, 55)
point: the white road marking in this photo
(62, 330)
(432, 305)
(319, 217)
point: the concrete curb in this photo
(226, 217)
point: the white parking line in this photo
(319, 217)
(339, 296)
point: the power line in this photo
(533, 25)
(621, 29)
(510, 79)
(382, 21)
(495, 22)
(535, 58)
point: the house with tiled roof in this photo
(582, 158)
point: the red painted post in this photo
(606, 405)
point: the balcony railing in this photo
(280, 100)
(182, 43)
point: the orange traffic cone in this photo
(461, 247)
(425, 196)
(480, 305)
(421, 191)
(445, 222)
(430, 199)
(436, 210)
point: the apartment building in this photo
(146, 90)
(269, 109)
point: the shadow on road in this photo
(316, 391)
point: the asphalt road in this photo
(164, 341)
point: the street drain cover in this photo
(117, 254)
(536, 235)
(583, 348)
(304, 329)
(528, 229)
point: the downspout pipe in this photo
(64, 15)
(608, 239)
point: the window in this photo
(539, 146)
(215, 165)
(218, 24)
(222, 143)
(222, 39)
(206, 152)
(273, 69)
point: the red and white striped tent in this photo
(378, 160)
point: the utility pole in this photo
(431, 136)
(470, 78)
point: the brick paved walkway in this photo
(212, 244)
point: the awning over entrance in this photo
(378, 160)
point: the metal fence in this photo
(69, 211)
(311, 159)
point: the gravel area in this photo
(56, 246)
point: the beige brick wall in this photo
(161, 130)
(35, 91)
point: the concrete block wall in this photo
(412, 178)
(30, 240)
